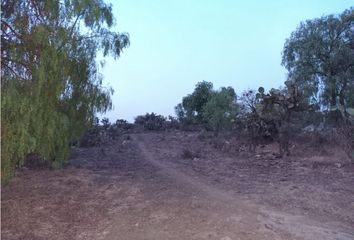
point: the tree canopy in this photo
(319, 56)
(51, 85)
(214, 109)
(221, 109)
(191, 108)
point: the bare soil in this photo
(184, 185)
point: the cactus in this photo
(270, 117)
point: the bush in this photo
(105, 123)
(270, 115)
(343, 135)
(151, 121)
(172, 123)
(91, 138)
(123, 124)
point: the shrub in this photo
(172, 123)
(123, 124)
(151, 121)
(269, 115)
(105, 123)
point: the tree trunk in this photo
(341, 96)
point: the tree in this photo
(249, 100)
(319, 56)
(51, 86)
(192, 105)
(180, 113)
(220, 110)
(214, 109)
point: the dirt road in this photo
(132, 189)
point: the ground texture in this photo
(183, 185)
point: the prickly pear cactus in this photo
(277, 106)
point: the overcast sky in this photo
(177, 43)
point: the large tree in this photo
(51, 86)
(221, 110)
(319, 56)
(214, 109)
(191, 108)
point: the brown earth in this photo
(184, 185)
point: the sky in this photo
(177, 43)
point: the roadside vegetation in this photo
(52, 89)
(232, 163)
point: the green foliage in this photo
(191, 109)
(220, 110)
(180, 113)
(214, 109)
(151, 121)
(319, 57)
(51, 87)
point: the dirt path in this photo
(232, 217)
(133, 190)
(183, 179)
(214, 213)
